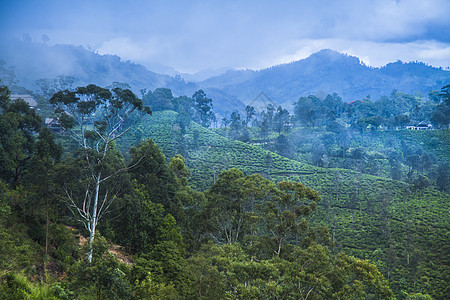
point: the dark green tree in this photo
(441, 115)
(18, 126)
(307, 109)
(281, 120)
(250, 112)
(443, 177)
(235, 125)
(148, 167)
(159, 99)
(39, 179)
(203, 108)
(136, 226)
(286, 214)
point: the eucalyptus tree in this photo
(95, 118)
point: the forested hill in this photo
(326, 72)
(33, 61)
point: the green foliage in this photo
(16, 286)
(17, 250)
(227, 271)
(163, 268)
(271, 234)
(148, 167)
(18, 123)
(149, 289)
(65, 248)
(137, 226)
(363, 212)
(204, 114)
(104, 278)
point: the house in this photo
(27, 98)
(54, 125)
(421, 126)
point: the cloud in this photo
(375, 54)
(194, 35)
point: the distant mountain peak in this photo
(327, 52)
(328, 55)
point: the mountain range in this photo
(326, 72)
(322, 73)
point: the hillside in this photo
(32, 61)
(326, 72)
(404, 232)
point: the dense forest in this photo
(108, 195)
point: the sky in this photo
(192, 35)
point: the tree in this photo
(285, 215)
(370, 122)
(203, 106)
(163, 264)
(96, 117)
(306, 108)
(185, 108)
(264, 126)
(148, 167)
(434, 96)
(49, 87)
(230, 200)
(402, 120)
(137, 225)
(249, 113)
(283, 146)
(235, 125)
(441, 114)
(281, 120)
(104, 277)
(38, 178)
(160, 99)
(443, 177)
(333, 104)
(8, 75)
(18, 125)
(419, 185)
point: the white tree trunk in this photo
(94, 218)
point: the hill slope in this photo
(326, 72)
(404, 232)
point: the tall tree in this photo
(235, 125)
(249, 113)
(285, 215)
(203, 105)
(96, 117)
(281, 120)
(39, 177)
(18, 125)
(441, 115)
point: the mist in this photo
(192, 36)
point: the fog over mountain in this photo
(322, 73)
(32, 61)
(326, 72)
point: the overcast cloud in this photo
(194, 35)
